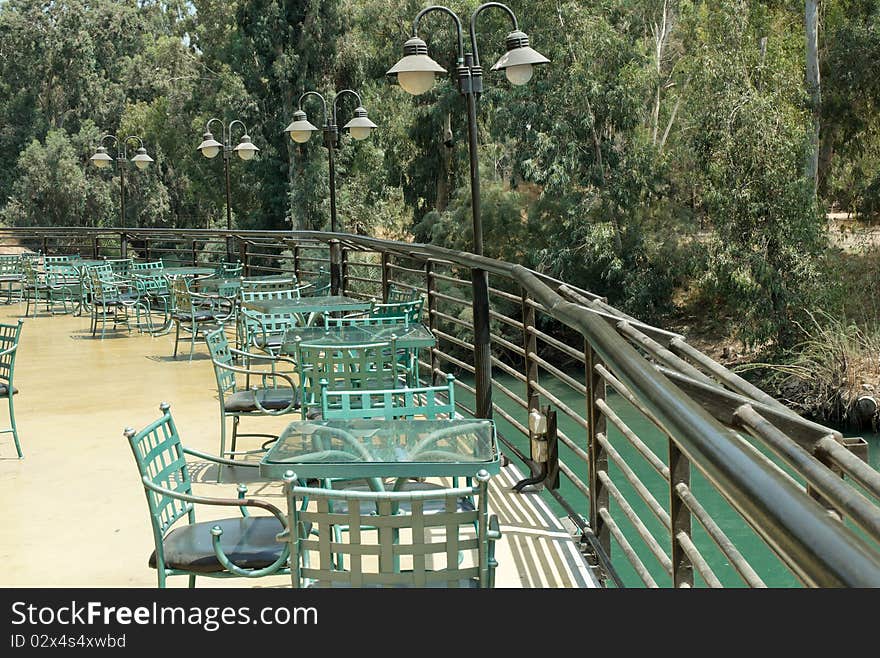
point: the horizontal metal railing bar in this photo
(851, 503)
(513, 397)
(630, 475)
(662, 354)
(503, 342)
(850, 464)
(452, 339)
(513, 372)
(410, 270)
(722, 541)
(558, 344)
(576, 482)
(725, 376)
(723, 404)
(571, 413)
(619, 387)
(648, 454)
(628, 551)
(449, 298)
(573, 446)
(697, 560)
(647, 538)
(497, 292)
(450, 318)
(351, 277)
(449, 279)
(455, 362)
(363, 263)
(559, 374)
(495, 315)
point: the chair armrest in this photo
(218, 460)
(494, 533)
(264, 375)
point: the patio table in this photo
(376, 448)
(412, 336)
(188, 271)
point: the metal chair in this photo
(267, 399)
(11, 274)
(319, 286)
(9, 337)
(265, 331)
(270, 282)
(367, 366)
(399, 293)
(37, 285)
(411, 310)
(111, 299)
(229, 270)
(224, 548)
(385, 545)
(197, 314)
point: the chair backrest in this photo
(261, 283)
(151, 282)
(120, 266)
(218, 347)
(229, 270)
(398, 293)
(270, 294)
(29, 270)
(266, 326)
(103, 271)
(181, 299)
(439, 542)
(367, 366)
(160, 460)
(10, 264)
(411, 310)
(9, 335)
(364, 321)
(430, 402)
(319, 286)
(148, 267)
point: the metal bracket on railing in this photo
(544, 450)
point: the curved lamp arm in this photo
(476, 13)
(323, 102)
(336, 98)
(222, 128)
(124, 143)
(458, 27)
(233, 123)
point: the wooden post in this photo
(344, 270)
(385, 281)
(243, 257)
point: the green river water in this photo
(762, 559)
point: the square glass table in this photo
(188, 271)
(376, 448)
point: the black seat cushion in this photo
(270, 398)
(249, 542)
(4, 390)
(188, 317)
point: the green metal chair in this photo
(411, 310)
(40, 287)
(229, 270)
(265, 331)
(319, 286)
(12, 275)
(367, 366)
(112, 299)
(385, 545)
(276, 395)
(270, 282)
(229, 547)
(148, 267)
(9, 337)
(197, 314)
(398, 293)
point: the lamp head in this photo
(141, 159)
(519, 59)
(415, 71)
(210, 147)
(101, 159)
(360, 126)
(300, 129)
(245, 149)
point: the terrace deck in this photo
(75, 498)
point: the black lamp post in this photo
(101, 159)
(301, 130)
(211, 148)
(415, 73)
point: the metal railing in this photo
(643, 505)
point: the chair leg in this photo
(192, 581)
(176, 336)
(192, 341)
(14, 428)
(235, 420)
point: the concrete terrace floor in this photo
(76, 498)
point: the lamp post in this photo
(211, 148)
(301, 130)
(101, 159)
(415, 73)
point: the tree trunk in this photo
(811, 21)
